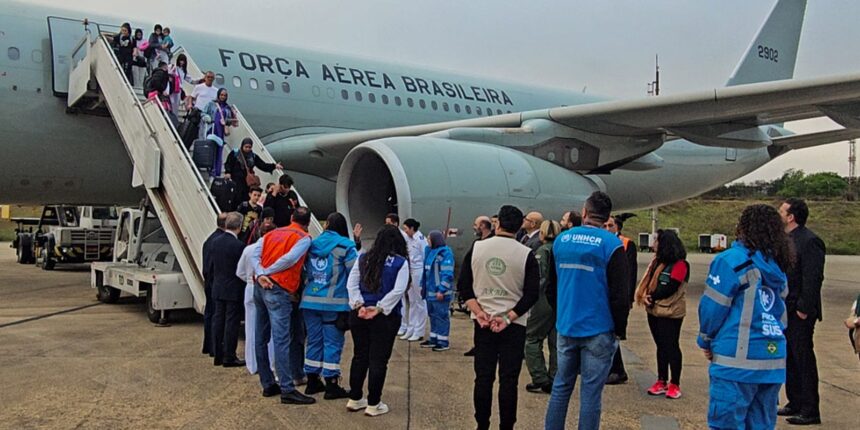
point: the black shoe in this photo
(547, 388)
(615, 379)
(218, 362)
(787, 411)
(469, 353)
(272, 390)
(315, 385)
(803, 420)
(333, 390)
(234, 363)
(534, 388)
(296, 398)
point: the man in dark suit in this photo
(209, 308)
(803, 306)
(531, 230)
(228, 291)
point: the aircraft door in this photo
(65, 36)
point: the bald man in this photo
(483, 227)
(531, 229)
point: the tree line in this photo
(793, 183)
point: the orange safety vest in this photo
(278, 243)
(625, 241)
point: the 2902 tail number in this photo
(768, 53)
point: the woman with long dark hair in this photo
(376, 284)
(662, 291)
(740, 322)
(325, 304)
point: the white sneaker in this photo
(401, 332)
(415, 338)
(376, 410)
(356, 405)
(406, 336)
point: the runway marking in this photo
(39, 317)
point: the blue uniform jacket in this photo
(438, 272)
(742, 317)
(330, 258)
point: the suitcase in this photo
(203, 154)
(189, 129)
(223, 190)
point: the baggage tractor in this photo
(223, 190)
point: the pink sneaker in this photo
(658, 389)
(673, 392)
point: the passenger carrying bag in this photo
(223, 190)
(250, 178)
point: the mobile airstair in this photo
(176, 191)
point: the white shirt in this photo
(415, 245)
(245, 268)
(389, 301)
(203, 94)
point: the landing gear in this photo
(25, 249)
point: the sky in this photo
(601, 47)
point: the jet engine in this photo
(445, 184)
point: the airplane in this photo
(367, 137)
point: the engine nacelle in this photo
(445, 184)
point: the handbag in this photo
(250, 178)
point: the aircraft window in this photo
(344, 94)
(478, 110)
(253, 83)
(219, 80)
(509, 111)
(329, 92)
(422, 103)
(434, 105)
(270, 85)
(14, 53)
(397, 100)
(285, 87)
(316, 91)
(499, 111)
(36, 56)
(489, 112)
(445, 106)
(358, 96)
(468, 109)
(457, 107)
(371, 97)
(237, 82)
(410, 102)
(385, 99)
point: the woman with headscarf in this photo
(437, 286)
(124, 46)
(138, 57)
(375, 285)
(325, 303)
(221, 117)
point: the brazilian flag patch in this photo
(771, 347)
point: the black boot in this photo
(315, 384)
(333, 390)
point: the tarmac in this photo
(69, 362)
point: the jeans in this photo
(506, 350)
(274, 309)
(251, 332)
(297, 343)
(373, 341)
(590, 357)
(666, 333)
(440, 320)
(801, 368)
(325, 343)
(738, 405)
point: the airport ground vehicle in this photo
(143, 264)
(67, 234)
(711, 243)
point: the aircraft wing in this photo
(611, 134)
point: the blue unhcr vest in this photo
(581, 256)
(389, 277)
(326, 269)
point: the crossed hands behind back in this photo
(368, 313)
(495, 323)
